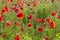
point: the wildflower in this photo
(46, 38)
(30, 17)
(20, 15)
(5, 9)
(21, 7)
(16, 10)
(34, 4)
(38, 20)
(1, 18)
(52, 25)
(28, 4)
(17, 37)
(29, 25)
(4, 35)
(53, 13)
(7, 24)
(40, 29)
(48, 19)
(52, 1)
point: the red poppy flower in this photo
(48, 19)
(4, 35)
(52, 1)
(16, 10)
(40, 29)
(29, 25)
(3, 10)
(38, 20)
(30, 17)
(53, 13)
(52, 25)
(20, 15)
(17, 37)
(7, 24)
(46, 38)
(1, 18)
(34, 4)
(6, 7)
(21, 7)
(28, 4)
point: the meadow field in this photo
(29, 19)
